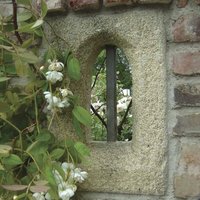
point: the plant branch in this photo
(15, 21)
(124, 118)
(97, 114)
(96, 76)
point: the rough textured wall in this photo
(138, 167)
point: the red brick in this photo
(187, 177)
(111, 3)
(84, 4)
(187, 28)
(186, 63)
(181, 3)
(154, 1)
(187, 95)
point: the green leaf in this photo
(82, 149)
(29, 57)
(27, 43)
(5, 150)
(12, 160)
(49, 175)
(57, 153)
(82, 115)
(77, 127)
(1, 167)
(43, 8)
(73, 68)
(65, 55)
(26, 28)
(8, 48)
(4, 107)
(44, 137)
(23, 16)
(21, 67)
(37, 24)
(2, 79)
(15, 187)
(37, 148)
(38, 32)
(12, 97)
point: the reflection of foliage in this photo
(98, 97)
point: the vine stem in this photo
(15, 21)
(18, 130)
(36, 114)
(11, 124)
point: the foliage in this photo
(31, 98)
(98, 98)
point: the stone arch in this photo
(141, 35)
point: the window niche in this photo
(111, 99)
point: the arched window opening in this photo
(111, 99)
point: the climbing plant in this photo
(34, 93)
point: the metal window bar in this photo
(111, 99)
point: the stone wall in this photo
(161, 41)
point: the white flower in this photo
(55, 65)
(67, 166)
(47, 196)
(65, 191)
(78, 175)
(53, 101)
(65, 92)
(58, 177)
(54, 76)
(41, 68)
(38, 196)
(65, 102)
(66, 194)
(121, 107)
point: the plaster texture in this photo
(136, 167)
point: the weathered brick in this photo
(181, 3)
(186, 63)
(84, 4)
(187, 177)
(56, 5)
(53, 5)
(187, 125)
(154, 1)
(187, 28)
(187, 95)
(111, 3)
(187, 186)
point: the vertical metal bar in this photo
(111, 99)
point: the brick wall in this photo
(184, 71)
